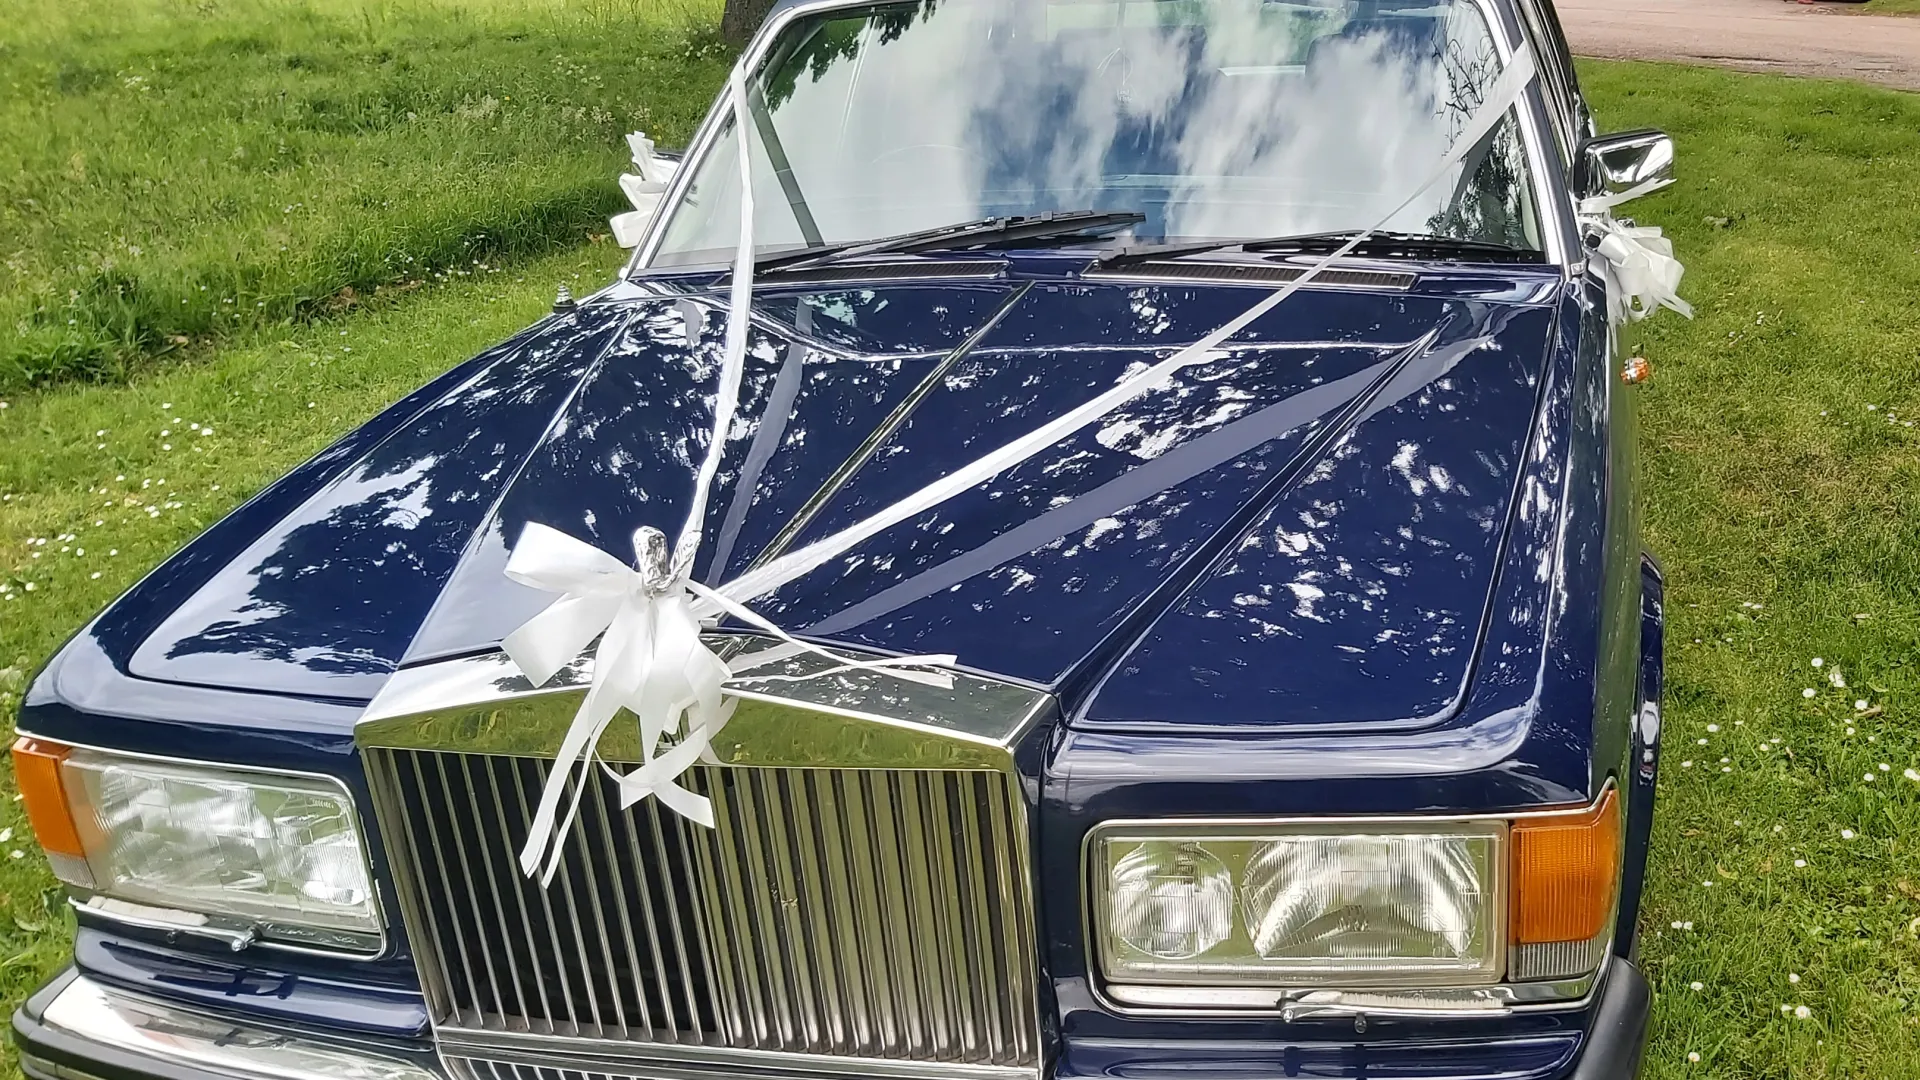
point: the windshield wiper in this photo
(1378, 244)
(1000, 231)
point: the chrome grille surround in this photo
(865, 905)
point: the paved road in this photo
(1756, 35)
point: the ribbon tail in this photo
(899, 667)
(619, 664)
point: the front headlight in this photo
(1250, 913)
(1309, 908)
(278, 855)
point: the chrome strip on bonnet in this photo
(864, 905)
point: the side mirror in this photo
(1616, 164)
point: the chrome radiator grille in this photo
(874, 914)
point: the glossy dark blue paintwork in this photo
(1369, 561)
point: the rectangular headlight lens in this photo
(1420, 906)
(279, 852)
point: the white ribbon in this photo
(645, 188)
(649, 617)
(1636, 262)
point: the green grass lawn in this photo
(1783, 495)
(172, 173)
(1891, 7)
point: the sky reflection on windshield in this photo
(1215, 118)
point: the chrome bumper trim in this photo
(189, 1038)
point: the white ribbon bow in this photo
(650, 661)
(1637, 262)
(649, 617)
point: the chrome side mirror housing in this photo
(1614, 164)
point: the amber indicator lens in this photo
(38, 766)
(36, 769)
(1565, 871)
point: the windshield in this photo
(1216, 119)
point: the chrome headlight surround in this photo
(1362, 866)
(1513, 972)
(297, 874)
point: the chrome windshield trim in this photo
(1560, 249)
(861, 719)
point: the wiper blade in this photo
(1000, 231)
(1376, 243)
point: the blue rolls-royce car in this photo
(1303, 715)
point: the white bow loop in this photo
(1636, 262)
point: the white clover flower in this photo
(1808, 692)
(1817, 662)
(1786, 1008)
(1700, 742)
(1693, 1056)
(1912, 774)
(1686, 764)
(1860, 705)
(1793, 977)
(1849, 731)
(1868, 777)
(1846, 834)
(1676, 924)
(1688, 925)
(1713, 729)
(1801, 1012)
(1799, 864)
(1696, 986)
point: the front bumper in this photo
(76, 1028)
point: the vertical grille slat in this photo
(677, 927)
(572, 1015)
(631, 961)
(842, 913)
(509, 884)
(466, 992)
